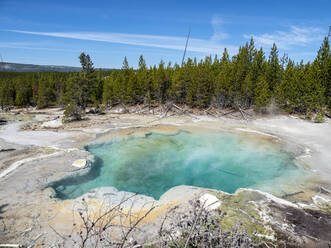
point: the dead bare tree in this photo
(119, 226)
(110, 226)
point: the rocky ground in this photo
(36, 149)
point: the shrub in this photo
(319, 118)
(72, 112)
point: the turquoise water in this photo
(156, 162)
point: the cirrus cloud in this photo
(205, 46)
(295, 36)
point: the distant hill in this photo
(15, 67)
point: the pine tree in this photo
(274, 72)
(323, 60)
(262, 94)
(22, 91)
(79, 88)
(177, 91)
(80, 85)
(46, 95)
(141, 81)
(162, 83)
(108, 90)
(124, 88)
(125, 65)
(258, 67)
(240, 68)
(131, 88)
(96, 80)
(190, 76)
(19, 100)
(86, 63)
(287, 91)
(204, 83)
(313, 91)
(6, 93)
(222, 81)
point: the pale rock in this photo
(56, 123)
(322, 201)
(210, 202)
(79, 163)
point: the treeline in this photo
(46, 89)
(248, 79)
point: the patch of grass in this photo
(239, 209)
(319, 118)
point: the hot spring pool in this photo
(154, 163)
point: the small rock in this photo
(79, 163)
(3, 122)
(322, 201)
(210, 202)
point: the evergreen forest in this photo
(249, 79)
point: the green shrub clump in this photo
(319, 118)
(72, 112)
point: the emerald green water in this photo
(156, 162)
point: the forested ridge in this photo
(249, 79)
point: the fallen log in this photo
(246, 112)
(167, 110)
(183, 111)
(217, 112)
(243, 114)
(231, 112)
(126, 110)
(37, 237)
(209, 113)
(208, 108)
(136, 109)
(139, 109)
(324, 190)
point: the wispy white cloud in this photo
(31, 46)
(295, 36)
(219, 34)
(211, 46)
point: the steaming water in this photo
(153, 164)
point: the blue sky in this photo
(56, 32)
